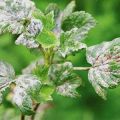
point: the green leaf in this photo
(47, 20)
(23, 100)
(53, 7)
(79, 20)
(30, 83)
(12, 15)
(68, 10)
(65, 80)
(47, 39)
(46, 92)
(41, 71)
(105, 70)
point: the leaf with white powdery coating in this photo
(68, 10)
(76, 27)
(65, 80)
(23, 100)
(30, 83)
(27, 89)
(7, 74)
(13, 13)
(105, 61)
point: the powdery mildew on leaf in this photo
(27, 88)
(65, 80)
(13, 13)
(22, 100)
(29, 82)
(7, 75)
(27, 41)
(75, 27)
(105, 61)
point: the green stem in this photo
(81, 68)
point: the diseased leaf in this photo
(105, 61)
(35, 27)
(65, 80)
(68, 10)
(47, 39)
(30, 83)
(28, 38)
(53, 7)
(68, 89)
(13, 13)
(47, 20)
(27, 41)
(79, 19)
(76, 28)
(23, 100)
(7, 75)
(71, 41)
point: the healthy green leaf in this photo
(42, 72)
(105, 61)
(65, 80)
(46, 92)
(68, 10)
(47, 39)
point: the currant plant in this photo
(56, 34)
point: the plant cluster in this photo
(56, 34)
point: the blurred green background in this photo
(89, 106)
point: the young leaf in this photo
(65, 80)
(42, 72)
(12, 15)
(68, 10)
(46, 92)
(23, 100)
(47, 39)
(105, 61)
(47, 20)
